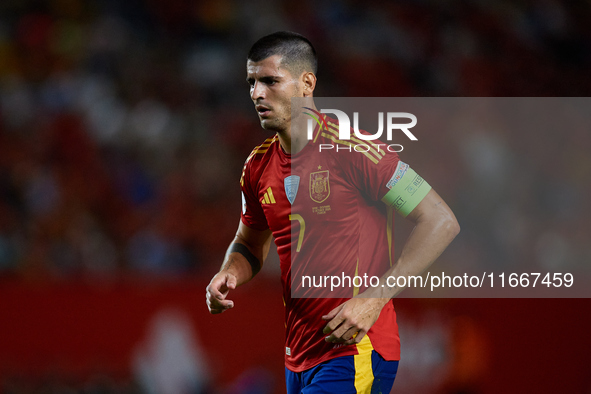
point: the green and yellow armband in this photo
(407, 189)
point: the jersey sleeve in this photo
(371, 171)
(252, 214)
(381, 175)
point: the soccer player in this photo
(332, 209)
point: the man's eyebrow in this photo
(265, 78)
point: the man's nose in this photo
(256, 91)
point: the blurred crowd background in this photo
(124, 125)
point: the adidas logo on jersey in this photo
(268, 197)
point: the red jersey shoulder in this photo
(259, 155)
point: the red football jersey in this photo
(324, 210)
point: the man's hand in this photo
(350, 321)
(237, 269)
(217, 291)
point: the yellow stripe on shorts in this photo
(363, 367)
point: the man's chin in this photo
(268, 124)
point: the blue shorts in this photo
(366, 372)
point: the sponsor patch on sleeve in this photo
(398, 174)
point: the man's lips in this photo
(263, 110)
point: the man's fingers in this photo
(231, 283)
(226, 304)
(217, 291)
(335, 319)
(214, 289)
(350, 334)
(337, 335)
(220, 285)
(215, 304)
(347, 335)
(351, 323)
(330, 315)
(220, 307)
(333, 324)
(357, 338)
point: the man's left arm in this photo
(435, 227)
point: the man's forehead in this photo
(268, 66)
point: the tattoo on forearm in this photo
(255, 264)
(228, 264)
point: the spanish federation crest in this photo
(319, 187)
(291, 183)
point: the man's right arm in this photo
(243, 260)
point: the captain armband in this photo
(255, 264)
(407, 189)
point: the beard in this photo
(275, 122)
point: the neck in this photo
(285, 140)
(292, 141)
(294, 137)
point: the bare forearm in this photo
(428, 240)
(237, 265)
(241, 262)
(246, 254)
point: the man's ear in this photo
(309, 80)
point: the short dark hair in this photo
(296, 51)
